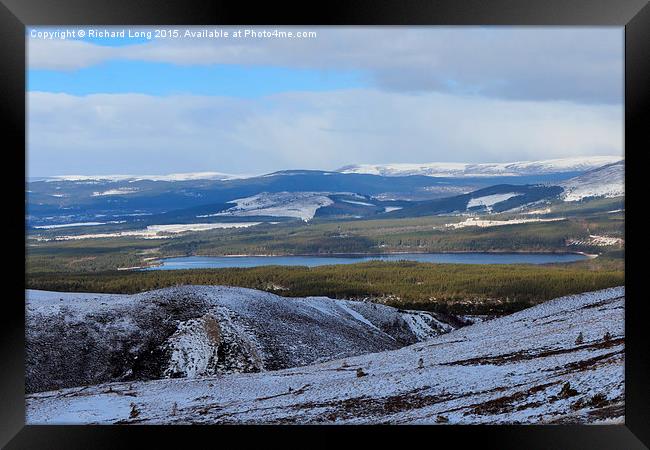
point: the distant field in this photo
(426, 234)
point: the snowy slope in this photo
(607, 181)
(76, 339)
(529, 367)
(439, 169)
(302, 205)
(488, 201)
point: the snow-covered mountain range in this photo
(403, 190)
(188, 176)
(446, 169)
(435, 169)
(558, 362)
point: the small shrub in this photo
(580, 339)
(567, 391)
(135, 412)
(597, 400)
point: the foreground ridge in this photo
(558, 362)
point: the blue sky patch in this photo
(168, 79)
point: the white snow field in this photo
(608, 181)
(490, 200)
(151, 232)
(119, 191)
(558, 362)
(484, 223)
(444, 169)
(67, 225)
(302, 205)
(598, 241)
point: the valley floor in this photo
(559, 362)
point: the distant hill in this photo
(607, 181)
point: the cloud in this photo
(574, 64)
(132, 133)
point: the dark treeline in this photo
(457, 288)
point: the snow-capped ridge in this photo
(455, 169)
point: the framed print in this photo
(376, 218)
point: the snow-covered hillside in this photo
(76, 339)
(302, 205)
(559, 362)
(488, 201)
(440, 169)
(607, 181)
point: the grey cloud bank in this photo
(582, 65)
(133, 133)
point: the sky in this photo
(191, 102)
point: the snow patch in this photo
(156, 231)
(66, 225)
(490, 200)
(302, 205)
(119, 191)
(194, 348)
(476, 222)
(356, 315)
(598, 241)
(357, 203)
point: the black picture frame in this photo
(634, 15)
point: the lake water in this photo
(218, 262)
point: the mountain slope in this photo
(77, 339)
(492, 199)
(529, 367)
(607, 182)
